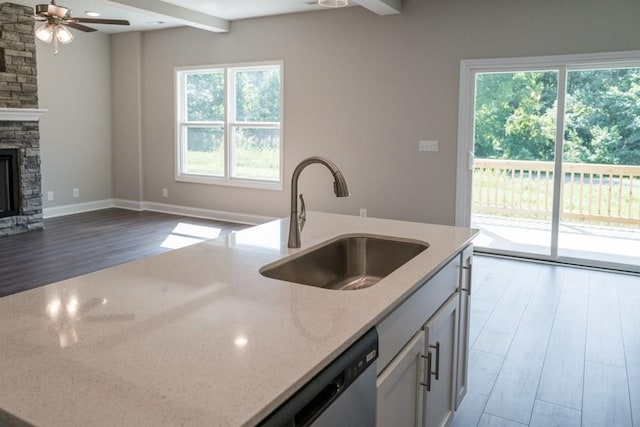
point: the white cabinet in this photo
(419, 383)
(463, 327)
(397, 329)
(400, 389)
(441, 332)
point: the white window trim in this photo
(179, 125)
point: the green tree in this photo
(515, 115)
(603, 116)
(205, 96)
(257, 99)
(492, 110)
(258, 95)
(205, 102)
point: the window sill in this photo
(235, 182)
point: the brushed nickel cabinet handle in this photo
(428, 383)
(468, 267)
(437, 372)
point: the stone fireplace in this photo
(19, 127)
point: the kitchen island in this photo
(196, 336)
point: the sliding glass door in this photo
(600, 217)
(514, 146)
(553, 159)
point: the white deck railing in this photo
(590, 192)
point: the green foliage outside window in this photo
(258, 95)
(205, 97)
(516, 116)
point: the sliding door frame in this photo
(466, 113)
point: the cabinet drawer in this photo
(398, 327)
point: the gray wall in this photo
(75, 134)
(126, 112)
(363, 89)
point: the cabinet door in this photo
(463, 328)
(400, 395)
(441, 333)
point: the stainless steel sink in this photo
(350, 262)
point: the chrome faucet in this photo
(297, 222)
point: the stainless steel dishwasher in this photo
(343, 394)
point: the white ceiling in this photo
(210, 15)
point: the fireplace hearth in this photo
(9, 183)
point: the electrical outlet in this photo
(428, 146)
(165, 193)
(76, 193)
(50, 196)
(363, 212)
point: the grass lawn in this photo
(249, 164)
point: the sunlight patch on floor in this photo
(189, 234)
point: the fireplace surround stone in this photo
(19, 114)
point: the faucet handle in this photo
(302, 217)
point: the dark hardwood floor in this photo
(78, 244)
(552, 346)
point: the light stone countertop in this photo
(195, 336)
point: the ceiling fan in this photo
(57, 18)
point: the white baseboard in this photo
(156, 207)
(207, 213)
(77, 208)
(132, 205)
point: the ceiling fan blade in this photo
(80, 27)
(100, 21)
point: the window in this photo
(229, 125)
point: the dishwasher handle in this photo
(319, 402)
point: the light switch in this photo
(428, 146)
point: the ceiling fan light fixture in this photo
(92, 13)
(63, 35)
(45, 33)
(333, 3)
